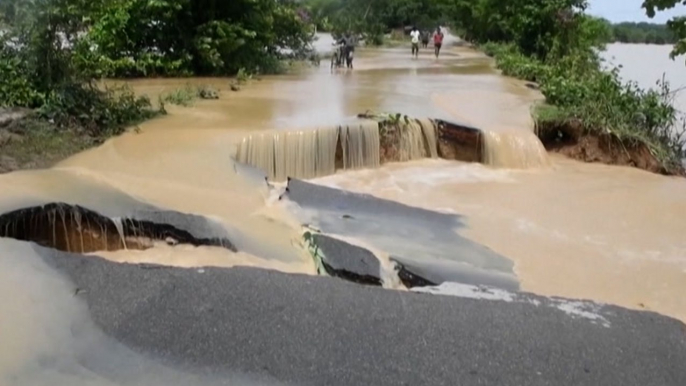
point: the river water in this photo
(612, 234)
(647, 64)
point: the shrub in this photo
(16, 88)
(577, 90)
(97, 112)
(183, 96)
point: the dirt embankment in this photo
(29, 143)
(571, 140)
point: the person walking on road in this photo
(438, 41)
(425, 38)
(415, 41)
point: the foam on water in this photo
(420, 174)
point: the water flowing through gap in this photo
(514, 149)
(320, 152)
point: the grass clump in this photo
(243, 76)
(185, 96)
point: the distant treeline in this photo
(643, 32)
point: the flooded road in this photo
(562, 212)
(584, 231)
(574, 230)
(183, 161)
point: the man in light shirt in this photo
(415, 41)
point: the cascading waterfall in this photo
(312, 153)
(361, 146)
(280, 154)
(119, 226)
(515, 149)
(320, 152)
(429, 131)
(411, 141)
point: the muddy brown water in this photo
(606, 233)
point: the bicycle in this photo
(337, 57)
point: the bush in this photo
(243, 76)
(16, 89)
(522, 67)
(99, 113)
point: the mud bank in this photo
(218, 322)
(570, 139)
(452, 140)
(28, 143)
(460, 142)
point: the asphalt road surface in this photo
(306, 330)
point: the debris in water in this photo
(207, 92)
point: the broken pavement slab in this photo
(340, 259)
(413, 274)
(416, 237)
(80, 215)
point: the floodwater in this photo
(606, 233)
(646, 64)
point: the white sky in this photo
(630, 10)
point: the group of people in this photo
(346, 50)
(423, 37)
(347, 45)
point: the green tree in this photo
(629, 32)
(372, 19)
(536, 27)
(677, 25)
(179, 37)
